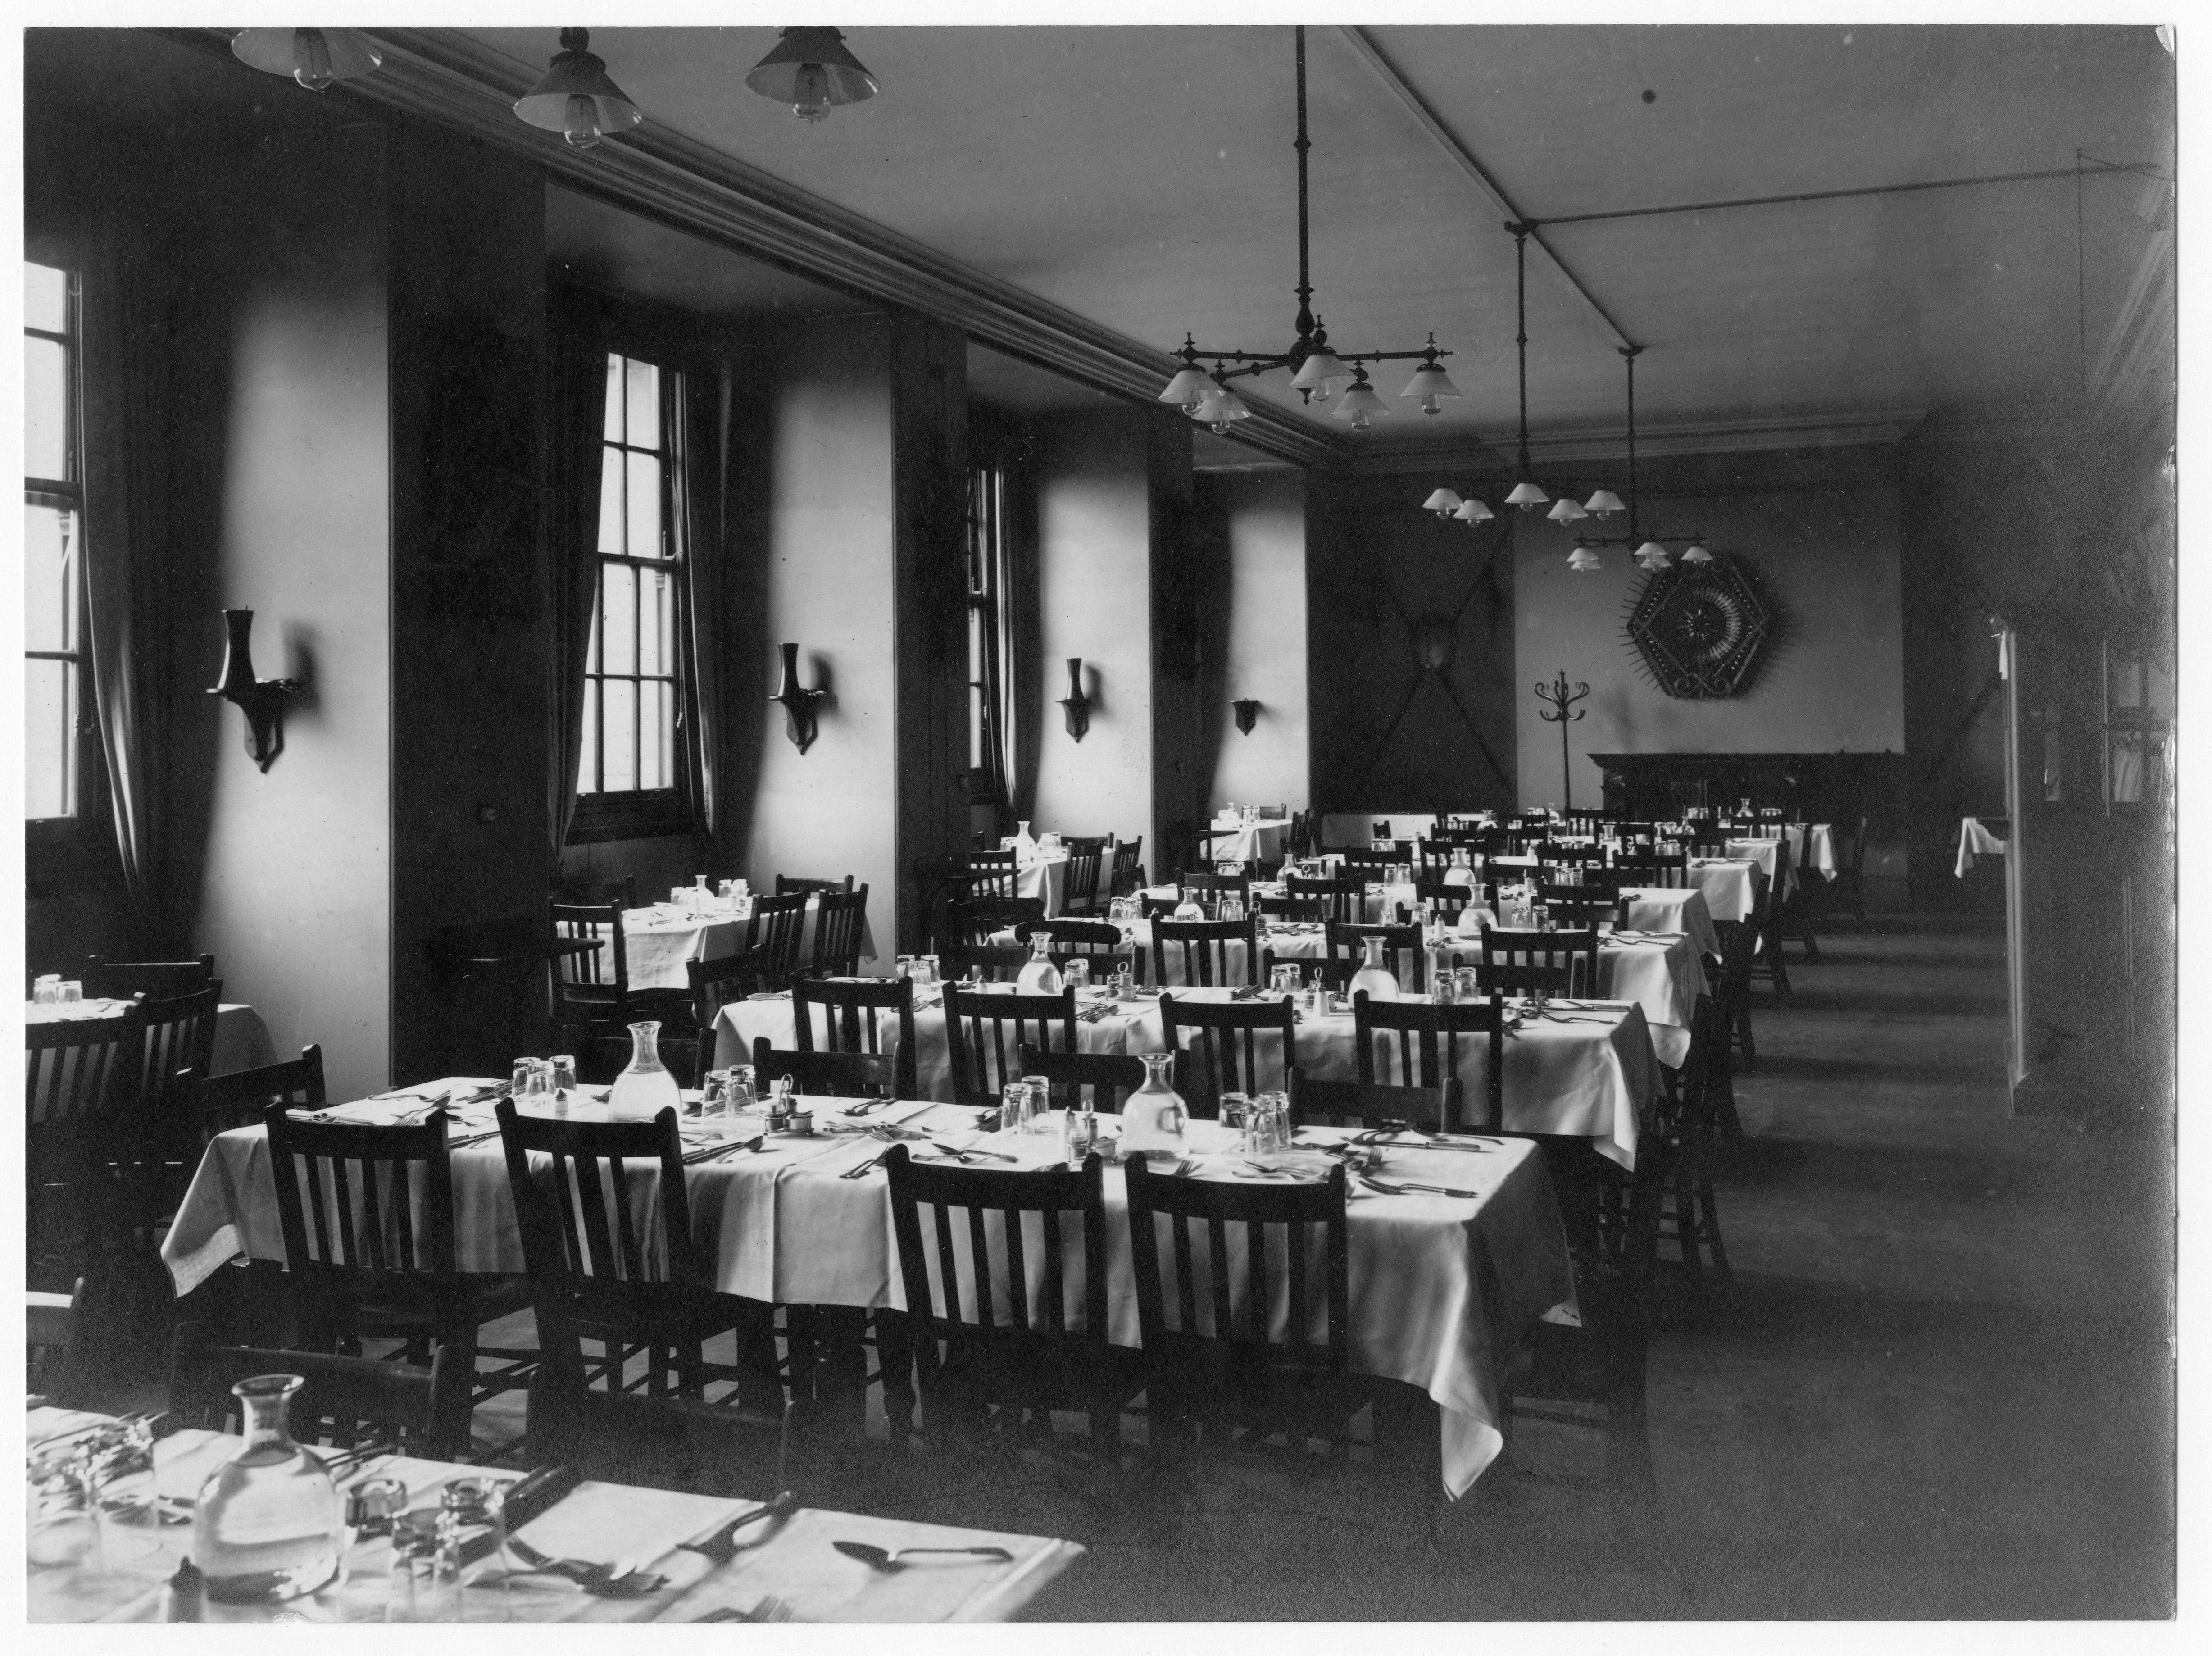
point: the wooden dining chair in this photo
(726, 978)
(341, 1401)
(1019, 1326)
(779, 924)
(1160, 908)
(1685, 1140)
(593, 986)
(986, 1028)
(1364, 1104)
(1297, 910)
(49, 1342)
(585, 1194)
(1341, 897)
(1400, 945)
(1099, 941)
(1191, 952)
(1446, 898)
(600, 1058)
(992, 874)
(997, 963)
(1213, 882)
(1099, 1082)
(85, 1135)
(1128, 872)
(223, 1104)
(718, 1449)
(1363, 862)
(1218, 1368)
(179, 1049)
(843, 1075)
(854, 1016)
(1732, 987)
(976, 921)
(1579, 907)
(1420, 1043)
(1223, 1038)
(1558, 962)
(157, 980)
(1652, 868)
(786, 884)
(1087, 858)
(840, 919)
(370, 1252)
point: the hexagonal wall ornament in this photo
(1700, 629)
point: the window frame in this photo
(661, 813)
(61, 851)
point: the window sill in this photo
(660, 815)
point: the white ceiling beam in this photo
(1463, 158)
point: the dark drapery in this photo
(694, 407)
(123, 456)
(579, 379)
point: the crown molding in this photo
(440, 76)
(1839, 430)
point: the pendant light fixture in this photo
(810, 70)
(1317, 372)
(574, 97)
(314, 57)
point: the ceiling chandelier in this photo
(1528, 493)
(574, 97)
(315, 57)
(1317, 371)
(810, 70)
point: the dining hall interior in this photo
(1248, 822)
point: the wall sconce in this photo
(1075, 704)
(798, 704)
(1248, 713)
(262, 700)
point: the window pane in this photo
(621, 734)
(610, 500)
(46, 298)
(645, 537)
(668, 624)
(648, 737)
(49, 719)
(618, 585)
(658, 596)
(46, 409)
(644, 406)
(49, 578)
(588, 770)
(614, 433)
(667, 735)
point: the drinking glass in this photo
(1445, 987)
(119, 1459)
(475, 1509)
(537, 1084)
(1236, 1116)
(426, 1568)
(1125, 982)
(1014, 1106)
(72, 991)
(564, 1071)
(46, 990)
(60, 1520)
(1040, 1119)
(518, 1082)
(1273, 1113)
(730, 888)
(904, 966)
(1232, 906)
(373, 1505)
(713, 1095)
(930, 973)
(737, 1088)
(1076, 974)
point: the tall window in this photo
(632, 770)
(55, 746)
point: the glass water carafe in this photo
(1154, 1118)
(1373, 976)
(1038, 975)
(269, 1525)
(646, 1086)
(1461, 871)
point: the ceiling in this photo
(1144, 178)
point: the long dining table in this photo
(1443, 1288)
(793, 1564)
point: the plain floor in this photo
(1940, 1387)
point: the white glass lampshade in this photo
(1473, 511)
(574, 97)
(1361, 400)
(1582, 560)
(1321, 374)
(1189, 385)
(1653, 555)
(1443, 502)
(1219, 407)
(810, 70)
(1604, 503)
(1565, 511)
(313, 56)
(1697, 555)
(1430, 384)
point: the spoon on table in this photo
(877, 1558)
(721, 1546)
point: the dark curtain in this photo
(123, 456)
(694, 407)
(579, 379)
(1021, 625)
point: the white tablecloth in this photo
(1975, 841)
(1441, 1288)
(1262, 840)
(1731, 886)
(1673, 909)
(661, 939)
(794, 1559)
(241, 1039)
(1662, 974)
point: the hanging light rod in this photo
(1318, 371)
(2137, 169)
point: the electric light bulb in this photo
(810, 93)
(1432, 404)
(310, 59)
(580, 121)
(1359, 419)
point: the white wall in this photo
(1266, 654)
(1094, 539)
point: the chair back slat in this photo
(1402, 944)
(223, 1104)
(1429, 1040)
(1128, 867)
(1196, 952)
(980, 1059)
(1340, 898)
(830, 1075)
(851, 1016)
(839, 920)
(992, 874)
(1080, 887)
(1560, 962)
(157, 980)
(1216, 1033)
